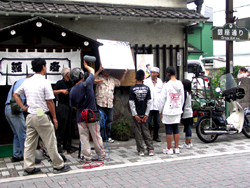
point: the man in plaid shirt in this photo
(104, 94)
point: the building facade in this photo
(151, 27)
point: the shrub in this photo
(120, 129)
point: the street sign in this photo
(230, 32)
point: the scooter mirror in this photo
(218, 90)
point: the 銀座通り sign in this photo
(230, 32)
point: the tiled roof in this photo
(193, 49)
(83, 8)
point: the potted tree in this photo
(121, 129)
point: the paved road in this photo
(224, 163)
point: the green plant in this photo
(120, 129)
(216, 77)
(215, 81)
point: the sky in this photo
(241, 49)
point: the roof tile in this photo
(69, 7)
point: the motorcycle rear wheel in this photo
(204, 124)
(246, 129)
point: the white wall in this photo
(135, 32)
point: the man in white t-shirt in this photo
(40, 106)
(155, 85)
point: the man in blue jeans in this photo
(17, 124)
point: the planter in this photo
(121, 137)
(120, 129)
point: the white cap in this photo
(155, 69)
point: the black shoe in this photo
(37, 161)
(59, 149)
(16, 159)
(86, 160)
(157, 139)
(34, 171)
(65, 168)
(63, 157)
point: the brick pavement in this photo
(230, 170)
(124, 154)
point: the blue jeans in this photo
(187, 127)
(172, 128)
(109, 114)
(156, 119)
(17, 124)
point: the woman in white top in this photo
(187, 116)
(171, 102)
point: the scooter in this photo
(212, 122)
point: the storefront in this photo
(61, 27)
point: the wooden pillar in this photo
(157, 56)
(171, 55)
(143, 49)
(164, 48)
(177, 67)
(135, 52)
(150, 49)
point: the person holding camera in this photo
(104, 94)
(63, 111)
(40, 106)
(82, 98)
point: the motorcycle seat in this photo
(219, 109)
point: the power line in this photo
(234, 8)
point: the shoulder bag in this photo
(15, 109)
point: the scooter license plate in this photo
(195, 119)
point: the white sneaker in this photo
(177, 150)
(185, 146)
(141, 153)
(110, 140)
(151, 152)
(168, 151)
(190, 145)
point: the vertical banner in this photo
(178, 58)
(145, 62)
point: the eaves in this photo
(81, 10)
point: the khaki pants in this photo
(94, 129)
(142, 134)
(43, 127)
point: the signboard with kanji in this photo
(230, 32)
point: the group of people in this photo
(52, 122)
(148, 99)
(151, 98)
(40, 109)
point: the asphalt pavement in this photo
(224, 163)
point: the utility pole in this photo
(229, 44)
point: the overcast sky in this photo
(241, 6)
